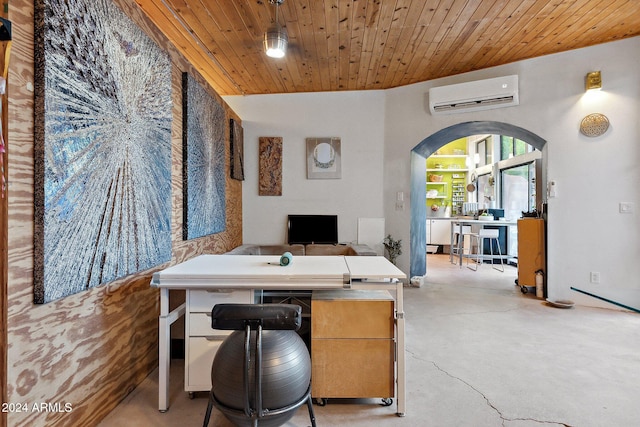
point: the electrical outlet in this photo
(595, 277)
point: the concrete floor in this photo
(479, 353)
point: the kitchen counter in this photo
(460, 221)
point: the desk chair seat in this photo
(486, 233)
(261, 373)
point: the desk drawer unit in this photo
(352, 344)
(202, 341)
(202, 301)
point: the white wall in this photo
(378, 130)
(585, 230)
(356, 117)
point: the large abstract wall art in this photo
(102, 148)
(203, 175)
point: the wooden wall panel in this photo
(90, 349)
(4, 59)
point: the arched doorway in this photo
(428, 146)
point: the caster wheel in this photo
(524, 289)
(387, 402)
(191, 395)
(321, 402)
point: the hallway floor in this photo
(479, 353)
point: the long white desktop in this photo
(260, 272)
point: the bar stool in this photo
(486, 233)
(457, 248)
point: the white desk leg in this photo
(164, 332)
(401, 403)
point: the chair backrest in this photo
(237, 317)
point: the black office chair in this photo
(261, 376)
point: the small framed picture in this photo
(324, 158)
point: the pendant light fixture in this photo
(276, 39)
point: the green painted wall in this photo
(450, 163)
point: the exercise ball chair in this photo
(261, 373)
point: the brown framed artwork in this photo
(270, 166)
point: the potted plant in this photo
(393, 247)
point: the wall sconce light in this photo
(593, 80)
(276, 38)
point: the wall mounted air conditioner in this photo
(474, 96)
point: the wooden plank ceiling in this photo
(339, 45)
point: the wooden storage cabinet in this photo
(531, 250)
(352, 344)
(201, 341)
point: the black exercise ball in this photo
(286, 374)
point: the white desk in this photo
(458, 223)
(264, 272)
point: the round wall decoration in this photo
(594, 125)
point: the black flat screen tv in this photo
(306, 229)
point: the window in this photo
(484, 152)
(485, 191)
(512, 147)
(518, 193)
(518, 189)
